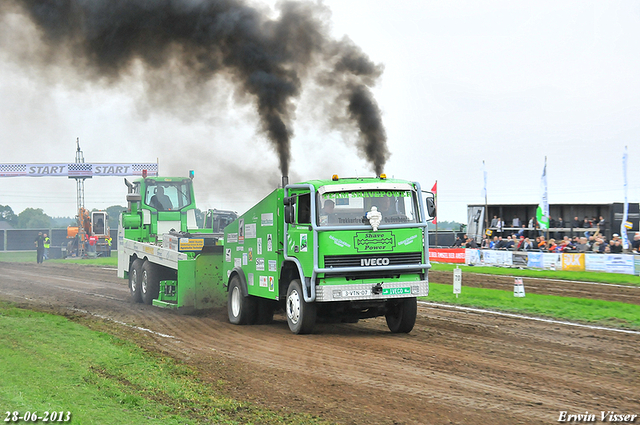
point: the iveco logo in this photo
(374, 262)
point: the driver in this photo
(161, 201)
(385, 206)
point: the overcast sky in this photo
(505, 82)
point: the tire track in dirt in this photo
(460, 367)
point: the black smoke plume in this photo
(194, 41)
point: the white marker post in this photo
(457, 281)
(518, 288)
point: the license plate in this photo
(396, 291)
(357, 293)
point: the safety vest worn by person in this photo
(47, 242)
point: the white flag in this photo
(543, 208)
(625, 213)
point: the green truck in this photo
(336, 250)
(168, 260)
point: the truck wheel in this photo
(134, 280)
(149, 282)
(301, 315)
(401, 314)
(241, 309)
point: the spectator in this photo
(635, 245)
(560, 225)
(616, 245)
(551, 246)
(457, 243)
(575, 223)
(531, 227)
(582, 246)
(494, 222)
(522, 232)
(542, 244)
(486, 243)
(527, 245)
(515, 222)
(586, 223)
(497, 242)
(500, 226)
(601, 224)
(471, 244)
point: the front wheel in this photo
(401, 314)
(301, 315)
(241, 309)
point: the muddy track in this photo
(454, 367)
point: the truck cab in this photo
(158, 205)
(343, 249)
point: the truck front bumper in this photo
(368, 291)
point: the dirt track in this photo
(454, 367)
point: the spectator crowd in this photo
(529, 237)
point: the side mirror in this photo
(431, 205)
(289, 214)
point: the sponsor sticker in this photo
(380, 241)
(260, 264)
(266, 219)
(264, 281)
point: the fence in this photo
(610, 263)
(22, 240)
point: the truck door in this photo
(300, 232)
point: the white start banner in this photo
(77, 169)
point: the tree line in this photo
(35, 218)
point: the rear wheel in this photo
(134, 280)
(301, 315)
(401, 314)
(149, 282)
(241, 309)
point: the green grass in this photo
(30, 257)
(50, 363)
(621, 279)
(605, 313)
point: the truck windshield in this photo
(168, 196)
(350, 208)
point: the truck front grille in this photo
(364, 260)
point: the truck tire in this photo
(301, 315)
(134, 280)
(149, 282)
(242, 310)
(401, 314)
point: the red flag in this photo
(434, 189)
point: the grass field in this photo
(108, 380)
(620, 279)
(604, 313)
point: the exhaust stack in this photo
(285, 181)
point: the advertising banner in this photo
(443, 255)
(472, 256)
(534, 260)
(497, 258)
(573, 262)
(594, 263)
(614, 263)
(77, 169)
(551, 261)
